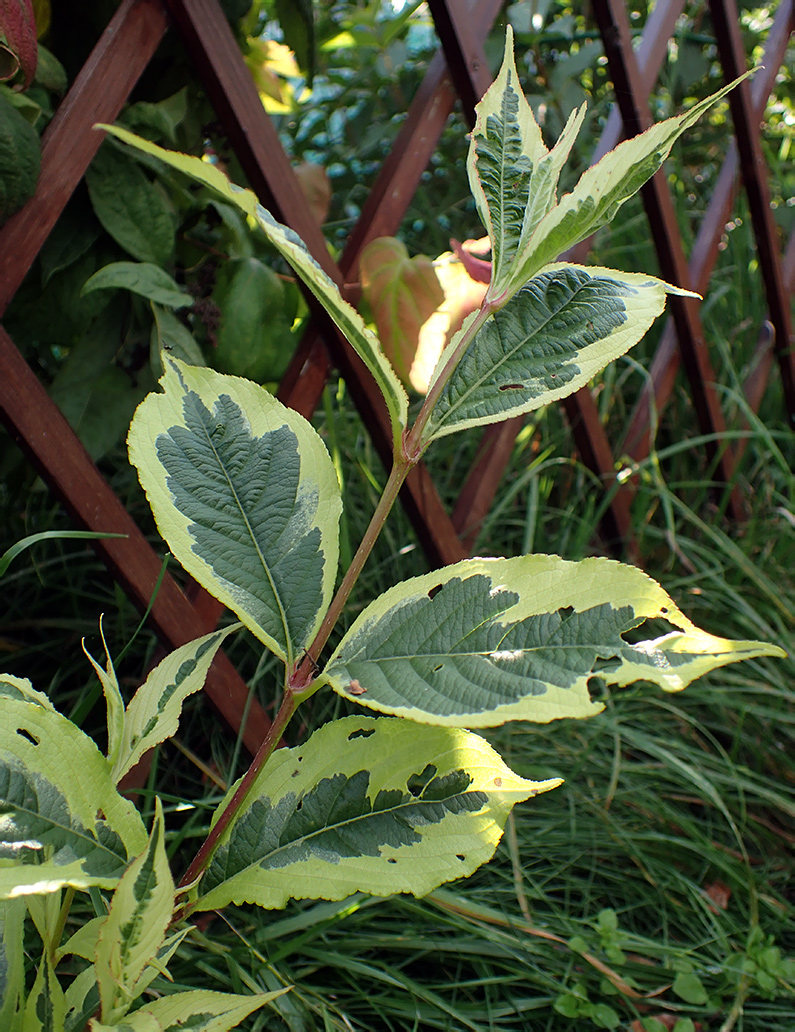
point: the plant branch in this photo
(305, 670)
(269, 743)
(304, 673)
(415, 445)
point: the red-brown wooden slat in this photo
(69, 142)
(611, 16)
(726, 20)
(218, 60)
(43, 433)
(650, 55)
(589, 434)
(463, 51)
(385, 206)
(666, 360)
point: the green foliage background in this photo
(668, 798)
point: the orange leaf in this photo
(462, 295)
(316, 187)
(403, 293)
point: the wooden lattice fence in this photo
(458, 71)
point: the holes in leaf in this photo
(460, 856)
(391, 860)
(417, 783)
(436, 669)
(645, 630)
(27, 736)
(434, 592)
(512, 387)
(299, 804)
(361, 732)
(294, 773)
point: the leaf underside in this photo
(376, 805)
(490, 640)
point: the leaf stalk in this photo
(270, 741)
(305, 671)
(415, 443)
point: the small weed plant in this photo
(404, 797)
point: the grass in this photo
(662, 866)
(663, 863)
(657, 879)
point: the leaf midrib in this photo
(252, 535)
(404, 804)
(507, 357)
(68, 829)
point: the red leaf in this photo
(18, 26)
(477, 268)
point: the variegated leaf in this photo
(113, 698)
(135, 926)
(140, 1021)
(490, 640)
(82, 1000)
(20, 688)
(292, 248)
(45, 1009)
(83, 943)
(512, 175)
(154, 711)
(373, 805)
(604, 187)
(12, 962)
(551, 338)
(158, 965)
(244, 492)
(200, 1010)
(64, 822)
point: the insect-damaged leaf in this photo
(64, 823)
(490, 640)
(376, 805)
(551, 338)
(244, 492)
